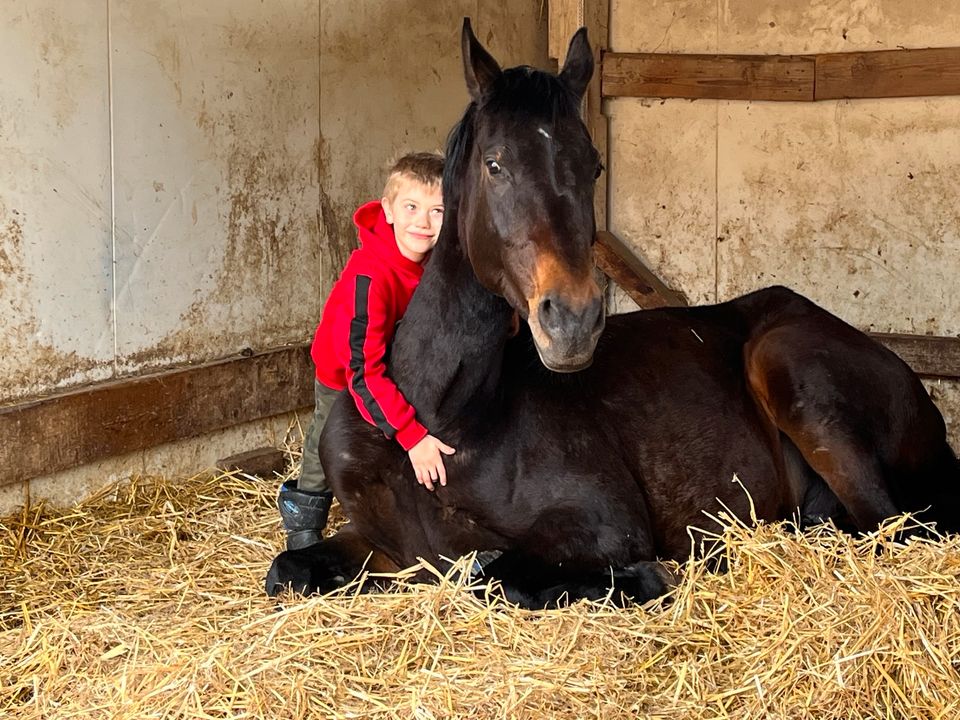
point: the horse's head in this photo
(525, 202)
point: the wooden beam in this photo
(623, 267)
(888, 73)
(827, 76)
(595, 17)
(719, 77)
(83, 426)
(564, 18)
(928, 355)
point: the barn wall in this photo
(850, 202)
(158, 186)
(177, 179)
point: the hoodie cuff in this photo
(410, 435)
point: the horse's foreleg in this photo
(327, 566)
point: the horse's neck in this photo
(448, 350)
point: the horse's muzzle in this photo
(565, 333)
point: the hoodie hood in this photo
(376, 235)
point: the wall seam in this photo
(113, 194)
(716, 180)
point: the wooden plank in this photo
(719, 77)
(928, 355)
(827, 76)
(595, 16)
(265, 462)
(564, 18)
(623, 267)
(888, 73)
(82, 426)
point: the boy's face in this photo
(416, 213)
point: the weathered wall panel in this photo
(216, 137)
(651, 212)
(55, 263)
(851, 202)
(799, 26)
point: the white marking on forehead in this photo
(544, 133)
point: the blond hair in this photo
(425, 168)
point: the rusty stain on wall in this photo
(11, 238)
(33, 366)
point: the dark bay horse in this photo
(586, 446)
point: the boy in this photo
(358, 322)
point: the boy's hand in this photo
(428, 461)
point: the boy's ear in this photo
(385, 204)
(578, 66)
(479, 67)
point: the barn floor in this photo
(147, 602)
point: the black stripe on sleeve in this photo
(358, 335)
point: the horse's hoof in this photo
(289, 571)
(306, 571)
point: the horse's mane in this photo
(519, 90)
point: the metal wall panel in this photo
(216, 135)
(56, 326)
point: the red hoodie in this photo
(358, 323)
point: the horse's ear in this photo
(479, 67)
(578, 66)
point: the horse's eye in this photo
(493, 167)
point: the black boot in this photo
(304, 514)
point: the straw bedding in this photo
(146, 602)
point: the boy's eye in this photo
(438, 211)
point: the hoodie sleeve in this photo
(378, 399)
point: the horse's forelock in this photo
(526, 90)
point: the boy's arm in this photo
(377, 397)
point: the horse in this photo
(588, 445)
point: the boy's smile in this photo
(416, 213)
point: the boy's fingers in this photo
(442, 472)
(446, 449)
(427, 482)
